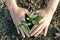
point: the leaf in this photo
(35, 22)
(19, 25)
(33, 15)
(38, 18)
(27, 29)
(29, 23)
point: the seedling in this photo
(31, 20)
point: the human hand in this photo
(18, 16)
(43, 24)
(47, 13)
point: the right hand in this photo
(18, 16)
(43, 24)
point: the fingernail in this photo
(34, 36)
(45, 35)
(31, 35)
(23, 36)
(28, 36)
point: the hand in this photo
(43, 24)
(18, 16)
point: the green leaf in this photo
(27, 29)
(38, 18)
(19, 25)
(33, 15)
(29, 23)
(35, 22)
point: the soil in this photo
(7, 27)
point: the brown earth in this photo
(7, 27)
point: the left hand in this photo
(43, 24)
(18, 15)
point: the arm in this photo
(52, 5)
(11, 4)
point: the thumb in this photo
(41, 12)
(27, 12)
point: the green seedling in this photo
(33, 15)
(32, 19)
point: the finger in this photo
(38, 12)
(41, 12)
(23, 35)
(18, 31)
(33, 28)
(36, 30)
(25, 32)
(27, 12)
(39, 31)
(21, 30)
(45, 30)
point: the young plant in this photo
(31, 20)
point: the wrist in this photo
(52, 5)
(11, 4)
